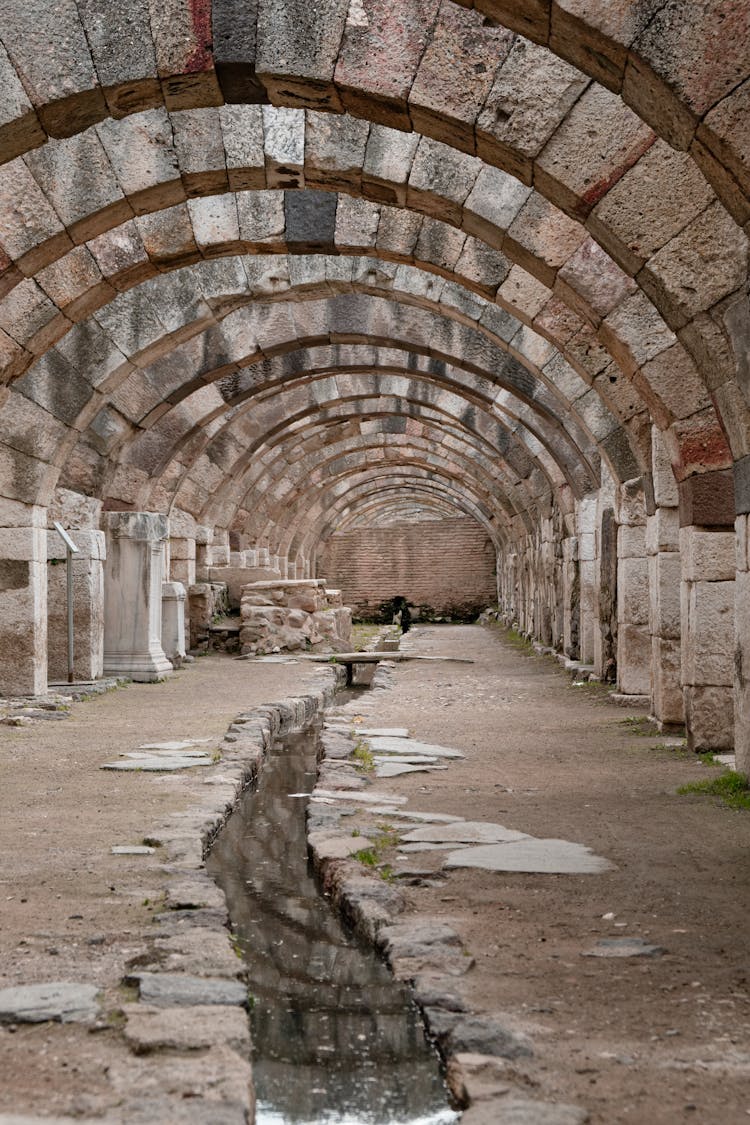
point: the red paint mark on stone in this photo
(703, 443)
(201, 57)
(599, 189)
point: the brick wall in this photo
(447, 566)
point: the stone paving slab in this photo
(61, 1001)
(623, 947)
(149, 1028)
(465, 832)
(181, 989)
(552, 857)
(413, 746)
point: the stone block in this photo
(663, 531)
(708, 556)
(707, 499)
(664, 585)
(631, 541)
(634, 659)
(708, 639)
(668, 705)
(709, 718)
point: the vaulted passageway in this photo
(275, 273)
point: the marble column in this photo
(132, 595)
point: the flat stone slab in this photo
(405, 814)
(426, 846)
(623, 947)
(132, 849)
(519, 1111)
(390, 745)
(168, 990)
(62, 1001)
(464, 832)
(149, 1028)
(407, 759)
(369, 732)
(393, 769)
(353, 795)
(183, 744)
(552, 857)
(157, 764)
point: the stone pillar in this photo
(708, 639)
(182, 554)
(571, 598)
(663, 549)
(742, 646)
(204, 557)
(23, 599)
(88, 606)
(587, 573)
(633, 601)
(132, 595)
(173, 599)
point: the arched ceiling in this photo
(244, 249)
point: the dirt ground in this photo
(69, 909)
(640, 1040)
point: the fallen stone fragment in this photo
(553, 857)
(465, 832)
(62, 1001)
(180, 989)
(475, 1077)
(411, 746)
(623, 947)
(518, 1111)
(484, 1035)
(185, 1029)
(131, 849)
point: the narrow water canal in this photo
(336, 1041)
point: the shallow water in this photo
(336, 1041)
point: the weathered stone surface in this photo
(519, 1111)
(150, 1028)
(165, 990)
(485, 1035)
(553, 856)
(61, 1001)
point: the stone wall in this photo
(293, 615)
(447, 566)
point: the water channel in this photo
(336, 1040)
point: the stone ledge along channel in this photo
(336, 1039)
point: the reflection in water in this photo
(336, 1041)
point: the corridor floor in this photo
(645, 1040)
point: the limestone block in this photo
(709, 717)
(665, 485)
(741, 542)
(88, 606)
(663, 531)
(235, 577)
(631, 542)
(708, 633)
(173, 621)
(742, 671)
(667, 700)
(634, 659)
(708, 556)
(664, 587)
(23, 606)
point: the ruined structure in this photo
(275, 272)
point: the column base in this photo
(143, 668)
